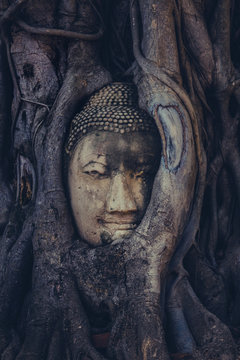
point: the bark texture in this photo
(173, 291)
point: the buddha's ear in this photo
(170, 125)
(170, 116)
(169, 112)
(175, 180)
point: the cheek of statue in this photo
(108, 196)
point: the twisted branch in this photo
(60, 32)
(11, 11)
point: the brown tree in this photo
(180, 271)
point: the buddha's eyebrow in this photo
(145, 158)
(92, 162)
(149, 154)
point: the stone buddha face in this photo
(113, 155)
(110, 179)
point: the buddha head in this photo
(113, 151)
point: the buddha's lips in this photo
(119, 224)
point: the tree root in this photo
(212, 338)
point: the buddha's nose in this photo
(120, 197)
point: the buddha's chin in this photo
(108, 237)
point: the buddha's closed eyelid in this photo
(141, 173)
(142, 167)
(96, 170)
(94, 165)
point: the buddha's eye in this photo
(97, 174)
(140, 174)
(143, 173)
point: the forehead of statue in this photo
(113, 148)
